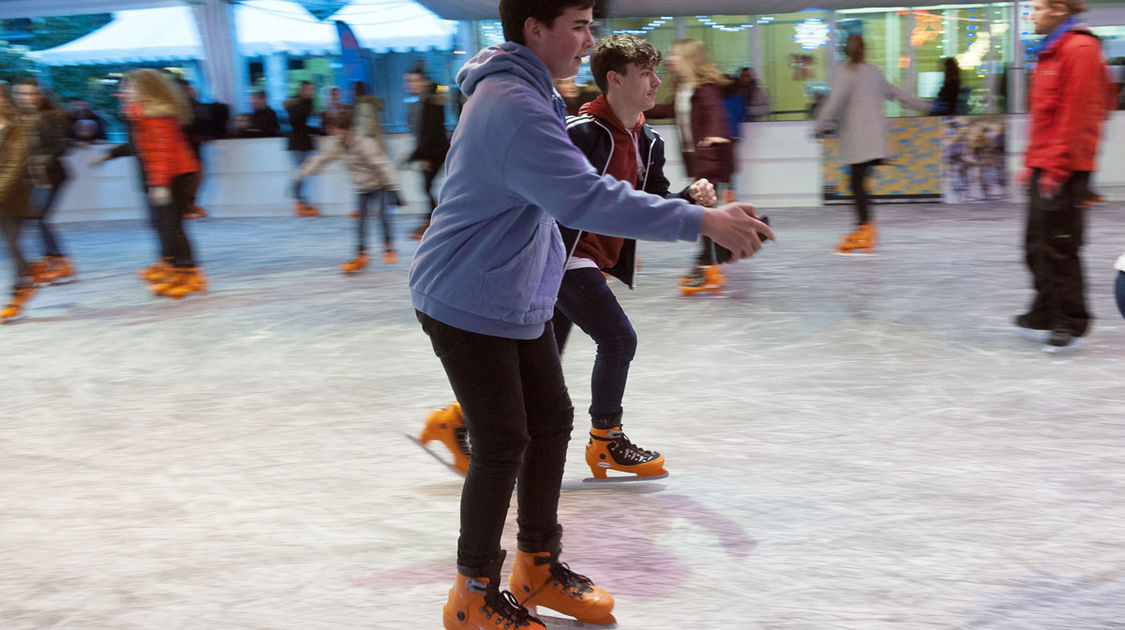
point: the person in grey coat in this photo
(855, 108)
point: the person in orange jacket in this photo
(1067, 109)
(156, 109)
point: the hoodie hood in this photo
(599, 108)
(507, 57)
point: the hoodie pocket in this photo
(522, 285)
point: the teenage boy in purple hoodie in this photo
(484, 281)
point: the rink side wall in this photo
(779, 166)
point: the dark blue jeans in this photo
(1119, 292)
(299, 158)
(380, 199)
(519, 417)
(586, 299)
(45, 202)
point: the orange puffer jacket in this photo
(160, 144)
(1068, 105)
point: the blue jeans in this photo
(380, 199)
(586, 299)
(45, 201)
(1119, 292)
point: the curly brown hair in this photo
(616, 52)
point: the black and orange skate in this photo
(40, 272)
(420, 231)
(540, 580)
(356, 264)
(477, 602)
(390, 256)
(448, 427)
(20, 296)
(156, 273)
(862, 241)
(703, 279)
(610, 449)
(61, 270)
(303, 209)
(195, 212)
(181, 282)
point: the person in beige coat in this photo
(372, 176)
(15, 205)
(855, 108)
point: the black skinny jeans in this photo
(1055, 228)
(519, 416)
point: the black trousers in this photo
(1055, 228)
(173, 239)
(859, 188)
(519, 416)
(11, 227)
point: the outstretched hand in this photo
(736, 227)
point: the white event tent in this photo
(220, 34)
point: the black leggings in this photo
(859, 188)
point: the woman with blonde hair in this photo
(855, 107)
(15, 203)
(704, 132)
(156, 109)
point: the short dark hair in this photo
(616, 52)
(514, 13)
(27, 80)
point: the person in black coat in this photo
(300, 108)
(427, 122)
(263, 120)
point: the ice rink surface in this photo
(854, 443)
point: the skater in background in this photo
(427, 123)
(200, 129)
(157, 112)
(45, 130)
(855, 108)
(372, 176)
(949, 96)
(1119, 284)
(15, 206)
(706, 144)
(624, 68)
(1068, 105)
(299, 109)
(484, 282)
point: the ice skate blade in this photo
(629, 479)
(559, 623)
(433, 454)
(1074, 346)
(856, 254)
(1034, 335)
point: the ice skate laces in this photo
(567, 579)
(626, 452)
(507, 609)
(461, 434)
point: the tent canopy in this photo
(264, 27)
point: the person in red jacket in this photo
(156, 109)
(1067, 109)
(706, 145)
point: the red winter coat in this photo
(160, 144)
(1068, 105)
